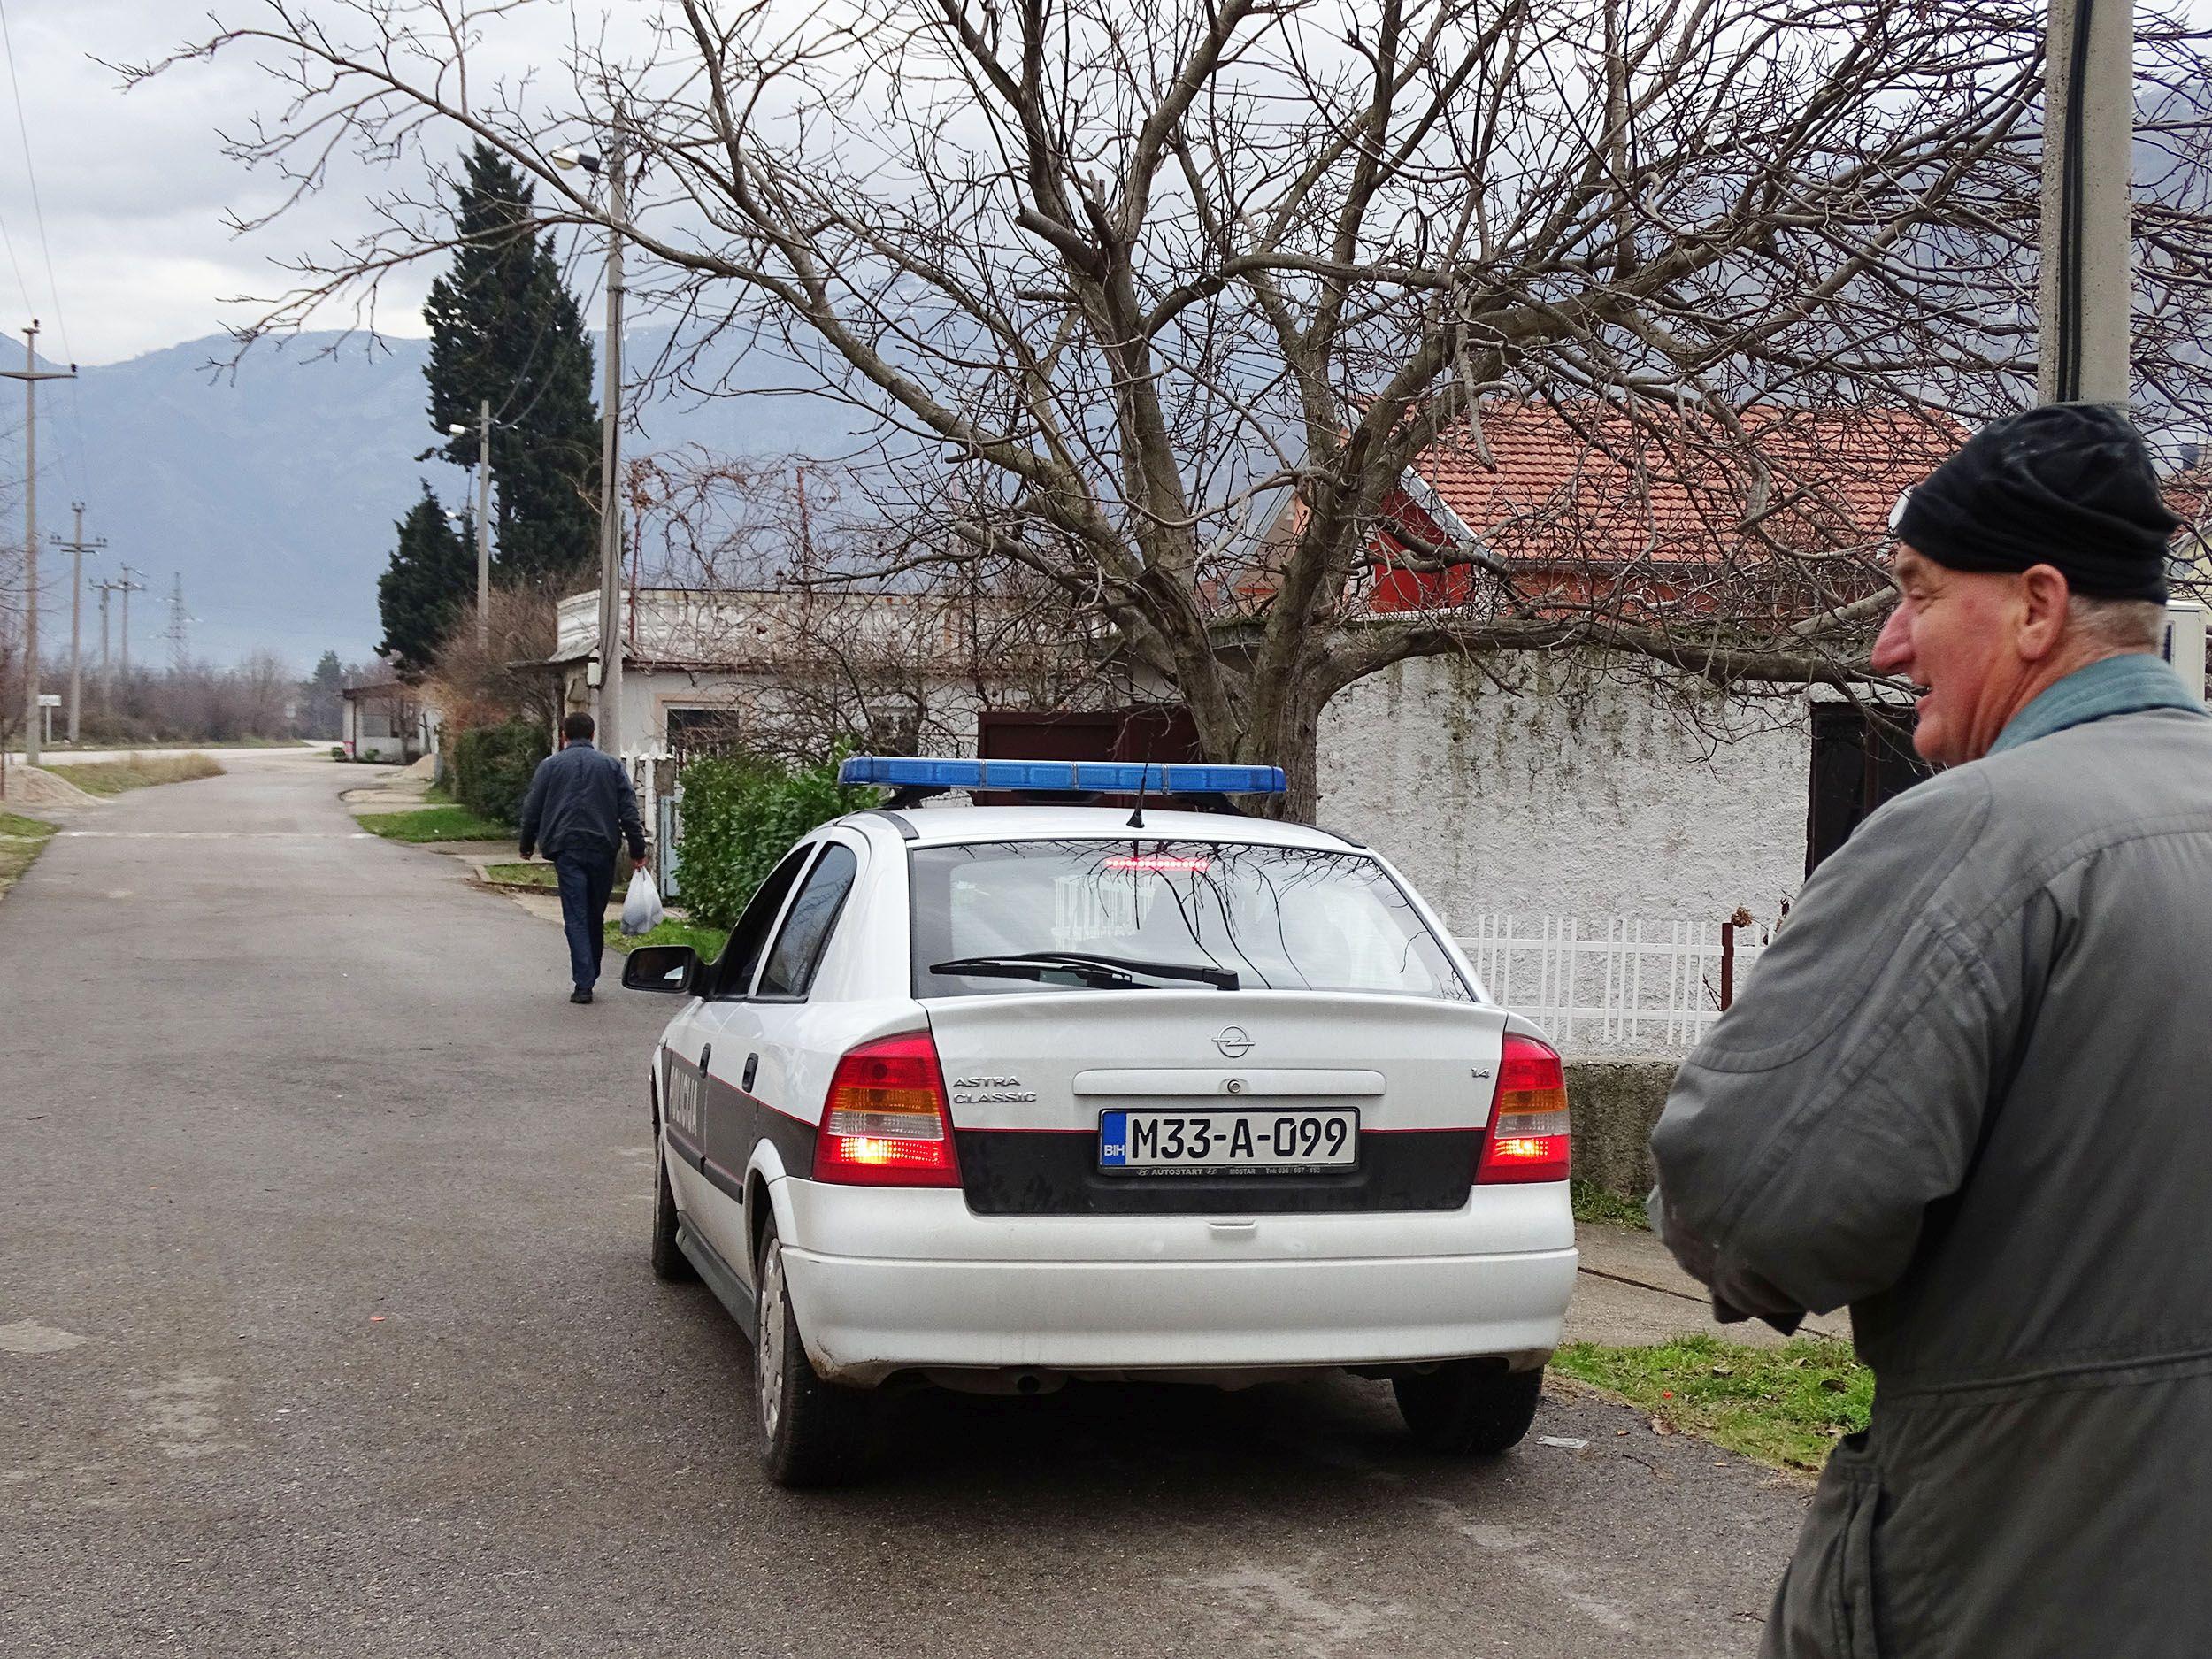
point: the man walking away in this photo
(1966, 1092)
(581, 805)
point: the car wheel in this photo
(669, 1263)
(813, 1433)
(1468, 1407)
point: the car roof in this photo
(949, 826)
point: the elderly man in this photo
(1969, 1092)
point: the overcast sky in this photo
(134, 187)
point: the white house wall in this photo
(1603, 805)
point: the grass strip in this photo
(21, 840)
(1785, 1406)
(434, 824)
(1593, 1203)
(707, 942)
(544, 877)
(138, 772)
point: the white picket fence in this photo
(1623, 984)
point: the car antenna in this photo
(1144, 776)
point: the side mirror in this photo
(674, 968)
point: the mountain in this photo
(272, 490)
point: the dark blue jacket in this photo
(581, 802)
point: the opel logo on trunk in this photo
(1233, 1044)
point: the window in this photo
(733, 974)
(704, 732)
(806, 930)
(1861, 756)
(1279, 917)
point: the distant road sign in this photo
(49, 699)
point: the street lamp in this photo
(483, 518)
(570, 158)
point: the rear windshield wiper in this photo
(1111, 970)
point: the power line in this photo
(30, 176)
(15, 265)
(46, 247)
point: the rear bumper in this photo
(1279, 1292)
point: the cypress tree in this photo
(422, 593)
(321, 707)
(504, 326)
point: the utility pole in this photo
(129, 588)
(610, 462)
(31, 374)
(608, 701)
(107, 591)
(484, 524)
(2085, 287)
(178, 658)
(77, 548)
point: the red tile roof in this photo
(1579, 483)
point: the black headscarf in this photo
(2068, 485)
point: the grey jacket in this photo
(1969, 1092)
(580, 800)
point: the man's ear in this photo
(2044, 592)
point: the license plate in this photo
(1249, 1142)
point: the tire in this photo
(1468, 1408)
(669, 1263)
(813, 1433)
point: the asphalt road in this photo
(325, 1327)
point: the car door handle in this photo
(752, 1064)
(705, 1056)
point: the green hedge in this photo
(491, 767)
(739, 817)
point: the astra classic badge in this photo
(991, 1091)
(1233, 1044)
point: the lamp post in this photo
(483, 518)
(608, 711)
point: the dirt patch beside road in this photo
(35, 787)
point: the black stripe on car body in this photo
(735, 1122)
(1054, 1172)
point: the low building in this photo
(790, 672)
(387, 720)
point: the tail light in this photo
(1528, 1137)
(885, 1122)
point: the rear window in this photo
(1020, 915)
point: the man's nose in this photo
(1892, 647)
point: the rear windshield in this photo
(1183, 914)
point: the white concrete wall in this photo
(1594, 803)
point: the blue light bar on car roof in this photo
(1070, 777)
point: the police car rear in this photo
(1180, 1096)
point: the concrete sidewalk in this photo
(1631, 1294)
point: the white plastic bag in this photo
(641, 911)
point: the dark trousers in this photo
(586, 879)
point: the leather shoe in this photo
(579, 995)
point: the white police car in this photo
(994, 1097)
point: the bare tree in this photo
(788, 574)
(1133, 275)
(481, 684)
